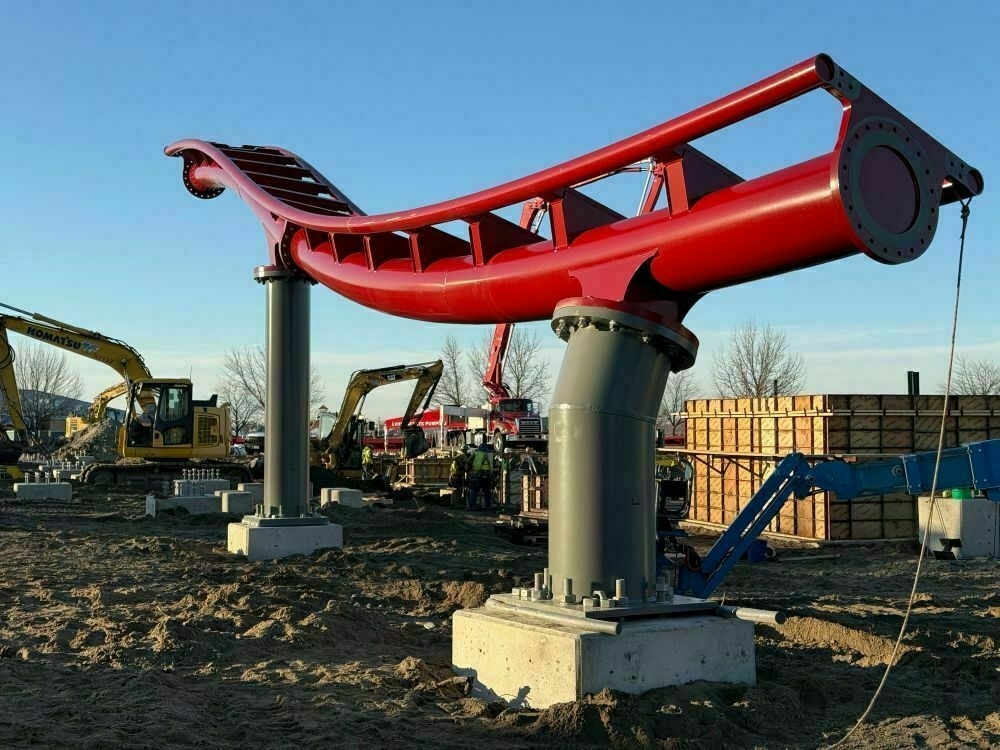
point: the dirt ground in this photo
(121, 631)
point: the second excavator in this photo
(339, 444)
(165, 429)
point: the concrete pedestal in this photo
(275, 542)
(234, 501)
(43, 491)
(974, 522)
(196, 505)
(525, 661)
(256, 490)
(342, 496)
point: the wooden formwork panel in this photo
(534, 493)
(851, 425)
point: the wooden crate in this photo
(737, 441)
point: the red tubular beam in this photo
(746, 102)
(878, 193)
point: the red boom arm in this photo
(877, 192)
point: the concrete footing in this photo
(196, 505)
(234, 501)
(43, 491)
(275, 542)
(342, 496)
(524, 661)
(256, 490)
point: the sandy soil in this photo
(121, 631)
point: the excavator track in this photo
(150, 475)
(877, 192)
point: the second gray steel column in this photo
(602, 443)
(286, 419)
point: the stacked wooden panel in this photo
(737, 441)
(534, 494)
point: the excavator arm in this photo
(341, 440)
(117, 355)
(10, 450)
(976, 465)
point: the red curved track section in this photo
(877, 192)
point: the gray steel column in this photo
(602, 499)
(286, 418)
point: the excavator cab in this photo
(164, 420)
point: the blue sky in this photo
(403, 104)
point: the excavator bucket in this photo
(877, 192)
(414, 442)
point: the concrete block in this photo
(256, 489)
(525, 661)
(975, 521)
(196, 505)
(234, 501)
(275, 542)
(49, 491)
(341, 495)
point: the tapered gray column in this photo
(602, 444)
(286, 418)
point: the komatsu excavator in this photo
(164, 425)
(339, 447)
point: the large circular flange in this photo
(673, 339)
(888, 190)
(191, 185)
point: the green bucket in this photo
(963, 493)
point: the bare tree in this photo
(681, 387)
(244, 374)
(244, 409)
(526, 374)
(756, 362)
(47, 384)
(975, 377)
(453, 388)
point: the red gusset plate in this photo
(877, 192)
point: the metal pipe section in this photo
(762, 616)
(286, 419)
(612, 627)
(602, 443)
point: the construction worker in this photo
(481, 477)
(367, 458)
(457, 474)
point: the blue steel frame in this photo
(976, 465)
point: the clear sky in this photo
(406, 103)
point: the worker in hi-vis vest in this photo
(481, 477)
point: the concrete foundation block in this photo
(256, 490)
(49, 491)
(525, 661)
(342, 496)
(234, 501)
(196, 505)
(275, 542)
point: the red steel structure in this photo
(877, 192)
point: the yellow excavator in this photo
(165, 430)
(338, 445)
